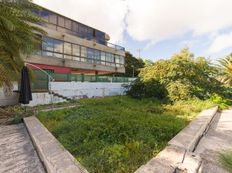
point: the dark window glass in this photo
(67, 48)
(75, 27)
(44, 14)
(97, 55)
(60, 21)
(68, 24)
(58, 46)
(89, 33)
(90, 53)
(47, 44)
(76, 50)
(100, 37)
(53, 18)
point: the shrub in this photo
(179, 91)
(151, 88)
(220, 101)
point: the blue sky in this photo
(158, 27)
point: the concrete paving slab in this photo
(217, 139)
(17, 153)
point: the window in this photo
(103, 57)
(47, 44)
(97, 56)
(89, 33)
(67, 48)
(58, 55)
(68, 24)
(122, 60)
(60, 21)
(67, 56)
(117, 59)
(75, 27)
(44, 14)
(45, 53)
(109, 57)
(58, 46)
(76, 50)
(100, 37)
(83, 52)
(76, 58)
(90, 54)
(53, 18)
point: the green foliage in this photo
(132, 64)
(119, 134)
(184, 76)
(220, 101)
(17, 37)
(152, 88)
(226, 70)
(226, 160)
(17, 119)
(178, 90)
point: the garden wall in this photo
(76, 90)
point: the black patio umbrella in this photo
(25, 95)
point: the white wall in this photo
(76, 90)
(11, 99)
(73, 90)
(43, 98)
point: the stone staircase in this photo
(60, 96)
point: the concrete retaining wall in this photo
(43, 98)
(178, 156)
(76, 90)
(55, 158)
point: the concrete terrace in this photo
(194, 150)
(17, 153)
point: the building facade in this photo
(71, 48)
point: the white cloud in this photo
(157, 20)
(220, 43)
(105, 15)
(152, 20)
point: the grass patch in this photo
(226, 160)
(119, 134)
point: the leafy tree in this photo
(184, 76)
(18, 37)
(226, 69)
(148, 62)
(132, 65)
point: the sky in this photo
(158, 28)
